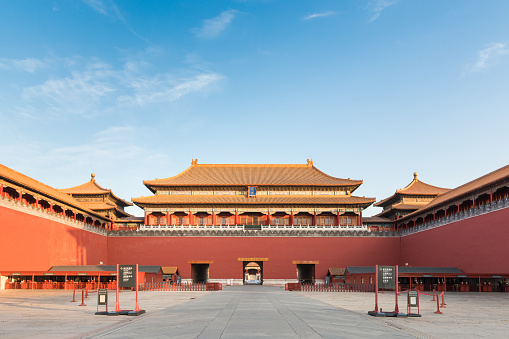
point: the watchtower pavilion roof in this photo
(416, 187)
(247, 174)
(93, 188)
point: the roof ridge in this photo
(250, 165)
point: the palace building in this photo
(256, 196)
(267, 224)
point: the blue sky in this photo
(372, 90)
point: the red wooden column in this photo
(168, 219)
(491, 197)
(473, 202)
(291, 218)
(145, 220)
(360, 219)
(213, 218)
(1, 190)
(268, 218)
(314, 219)
(236, 218)
(20, 198)
(337, 219)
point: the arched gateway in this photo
(253, 274)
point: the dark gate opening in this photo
(253, 272)
(200, 273)
(306, 273)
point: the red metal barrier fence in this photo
(52, 285)
(341, 287)
(186, 287)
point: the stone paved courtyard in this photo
(249, 312)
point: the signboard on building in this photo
(251, 191)
(387, 277)
(127, 276)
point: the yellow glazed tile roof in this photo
(416, 187)
(92, 187)
(247, 175)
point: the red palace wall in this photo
(280, 251)
(31, 243)
(475, 245)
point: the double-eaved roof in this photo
(93, 188)
(416, 187)
(220, 175)
(251, 175)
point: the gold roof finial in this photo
(194, 162)
(93, 177)
(415, 175)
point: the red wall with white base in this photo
(475, 245)
(280, 251)
(32, 243)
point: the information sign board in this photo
(413, 298)
(127, 276)
(387, 277)
(103, 296)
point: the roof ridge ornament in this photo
(194, 162)
(310, 162)
(415, 175)
(92, 177)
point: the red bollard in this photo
(86, 292)
(82, 298)
(443, 300)
(438, 308)
(73, 296)
(433, 295)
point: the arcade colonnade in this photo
(275, 217)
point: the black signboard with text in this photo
(413, 298)
(102, 296)
(387, 277)
(126, 276)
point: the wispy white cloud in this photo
(377, 6)
(211, 28)
(28, 65)
(107, 8)
(80, 93)
(93, 87)
(110, 9)
(157, 90)
(319, 15)
(487, 56)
